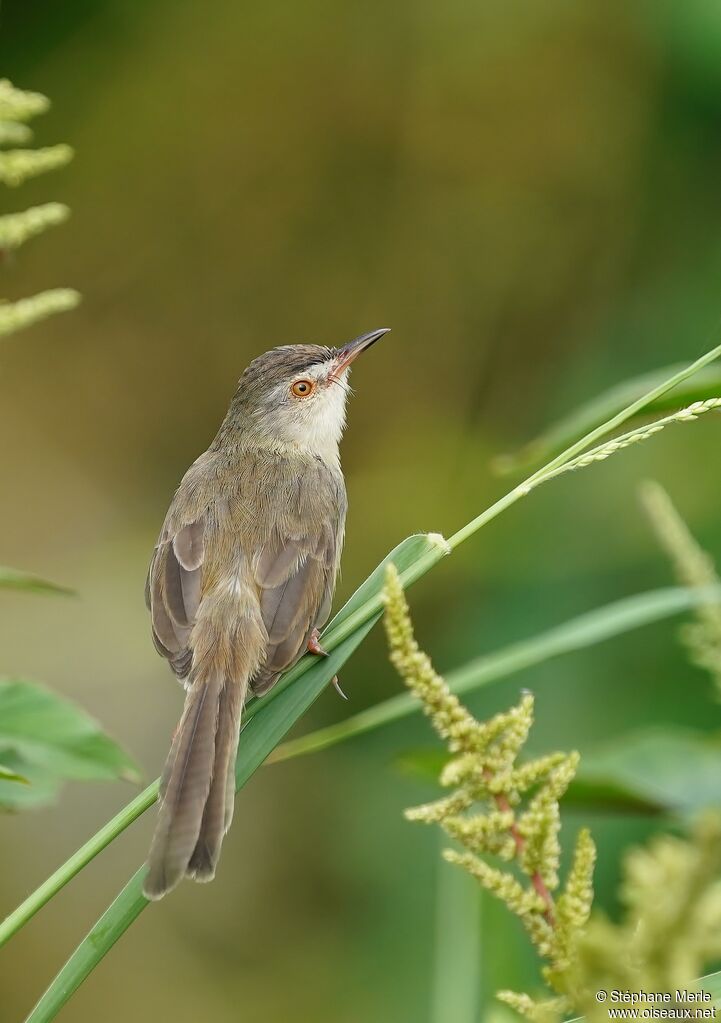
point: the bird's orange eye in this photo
(302, 388)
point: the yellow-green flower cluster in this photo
(449, 717)
(17, 105)
(16, 166)
(694, 568)
(16, 108)
(501, 808)
(16, 315)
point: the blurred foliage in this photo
(705, 385)
(528, 194)
(693, 568)
(14, 579)
(670, 931)
(45, 739)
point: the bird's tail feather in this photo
(218, 811)
(196, 789)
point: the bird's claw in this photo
(315, 648)
(336, 685)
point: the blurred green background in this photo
(528, 194)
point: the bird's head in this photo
(295, 395)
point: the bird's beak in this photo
(352, 350)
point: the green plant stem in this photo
(42, 895)
(372, 607)
(579, 446)
(457, 947)
(116, 919)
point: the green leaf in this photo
(675, 768)
(40, 788)
(8, 774)
(13, 579)
(705, 384)
(610, 796)
(56, 737)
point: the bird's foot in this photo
(314, 646)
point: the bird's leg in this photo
(315, 648)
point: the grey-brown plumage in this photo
(243, 572)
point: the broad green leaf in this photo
(40, 788)
(706, 383)
(8, 774)
(56, 737)
(675, 768)
(609, 795)
(13, 579)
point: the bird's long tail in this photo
(197, 787)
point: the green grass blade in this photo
(57, 881)
(116, 919)
(581, 632)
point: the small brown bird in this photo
(242, 578)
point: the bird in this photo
(241, 581)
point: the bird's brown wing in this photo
(172, 592)
(296, 578)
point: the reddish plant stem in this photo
(536, 880)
